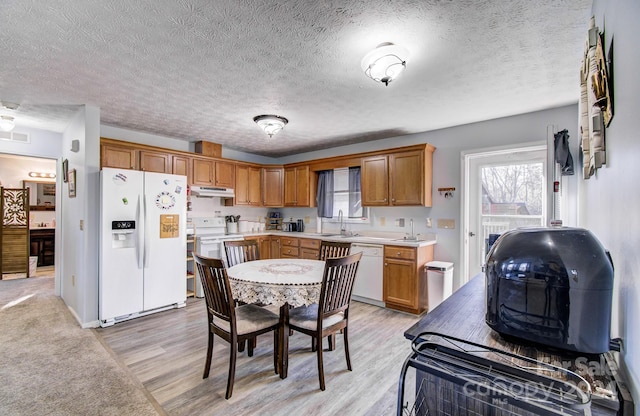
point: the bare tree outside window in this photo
(513, 189)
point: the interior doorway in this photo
(37, 174)
(504, 189)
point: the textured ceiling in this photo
(201, 69)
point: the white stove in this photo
(210, 234)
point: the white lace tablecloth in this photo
(277, 281)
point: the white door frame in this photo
(466, 158)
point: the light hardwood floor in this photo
(166, 353)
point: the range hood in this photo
(211, 191)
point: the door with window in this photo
(505, 190)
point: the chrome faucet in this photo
(341, 219)
(412, 237)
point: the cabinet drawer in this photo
(396, 252)
(288, 241)
(309, 243)
(287, 251)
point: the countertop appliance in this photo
(143, 217)
(551, 286)
(210, 233)
(369, 278)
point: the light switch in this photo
(446, 223)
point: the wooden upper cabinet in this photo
(114, 156)
(202, 171)
(208, 172)
(272, 187)
(248, 185)
(151, 161)
(180, 166)
(225, 174)
(406, 178)
(296, 187)
(398, 179)
(375, 181)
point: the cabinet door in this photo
(242, 185)
(255, 188)
(275, 247)
(290, 191)
(406, 178)
(118, 157)
(272, 187)
(400, 283)
(302, 186)
(180, 166)
(155, 161)
(375, 181)
(202, 172)
(247, 186)
(264, 245)
(225, 174)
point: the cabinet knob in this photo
(398, 254)
(385, 265)
(393, 200)
(385, 200)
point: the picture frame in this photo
(72, 183)
(65, 170)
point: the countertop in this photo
(462, 316)
(371, 238)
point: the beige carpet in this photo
(50, 366)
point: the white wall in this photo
(79, 266)
(450, 143)
(610, 200)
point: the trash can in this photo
(439, 282)
(33, 265)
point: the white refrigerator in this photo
(143, 243)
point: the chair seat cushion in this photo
(307, 317)
(249, 318)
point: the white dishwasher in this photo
(368, 285)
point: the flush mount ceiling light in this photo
(270, 124)
(385, 63)
(7, 123)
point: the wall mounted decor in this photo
(596, 105)
(72, 183)
(65, 170)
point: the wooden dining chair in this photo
(241, 251)
(330, 249)
(331, 314)
(234, 324)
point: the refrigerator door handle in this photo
(140, 236)
(145, 245)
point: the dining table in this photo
(286, 283)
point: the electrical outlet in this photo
(307, 219)
(400, 222)
(73, 280)
(81, 225)
(429, 223)
(383, 221)
(447, 223)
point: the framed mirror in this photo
(42, 195)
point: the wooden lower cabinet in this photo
(289, 247)
(275, 247)
(309, 248)
(405, 281)
(264, 245)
